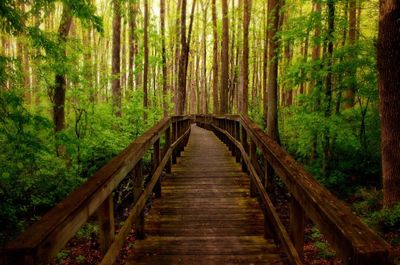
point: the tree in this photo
(164, 59)
(184, 56)
(116, 62)
(215, 67)
(389, 93)
(146, 56)
(244, 74)
(132, 41)
(224, 88)
(272, 85)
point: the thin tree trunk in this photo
(272, 85)
(146, 57)
(328, 86)
(349, 95)
(265, 64)
(215, 59)
(116, 78)
(244, 73)
(224, 59)
(164, 59)
(389, 93)
(132, 45)
(60, 79)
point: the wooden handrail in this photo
(354, 242)
(45, 238)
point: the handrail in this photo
(354, 242)
(45, 238)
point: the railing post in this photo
(174, 137)
(137, 191)
(232, 133)
(297, 226)
(269, 180)
(105, 214)
(253, 160)
(166, 147)
(156, 162)
(237, 136)
(245, 146)
(179, 132)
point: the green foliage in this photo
(32, 178)
(387, 219)
(324, 251)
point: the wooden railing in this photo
(44, 239)
(353, 241)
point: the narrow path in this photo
(205, 215)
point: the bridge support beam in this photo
(105, 214)
(166, 147)
(254, 162)
(137, 190)
(156, 162)
(297, 226)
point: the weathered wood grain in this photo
(205, 215)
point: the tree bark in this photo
(389, 94)
(164, 60)
(116, 78)
(184, 57)
(132, 44)
(328, 86)
(224, 88)
(146, 57)
(350, 92)
(215, 59)
(244, 73)
(272, 85)
(60, 79)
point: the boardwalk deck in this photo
(205, 215)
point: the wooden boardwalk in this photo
(205, 215)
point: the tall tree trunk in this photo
(350, 92)
(244, 73)
(215, 68)
(60, 79)
(224, 59)
(116, 78)
(164, 60)
(328, 86)
(204, 105)
(389, 93)
(146, 57)
(272, 85)
(265, 64)
(132, 44)
(184, 57)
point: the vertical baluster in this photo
(156, 162)
(137, 190)
(297, 226)
(232, 133)
(166, 147)
(174, 137)
(245, 147)
(237, 136)
(105, 214)
(253, 159)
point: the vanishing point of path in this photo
(205, 215)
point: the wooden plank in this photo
(105, 215)
(206, 214)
